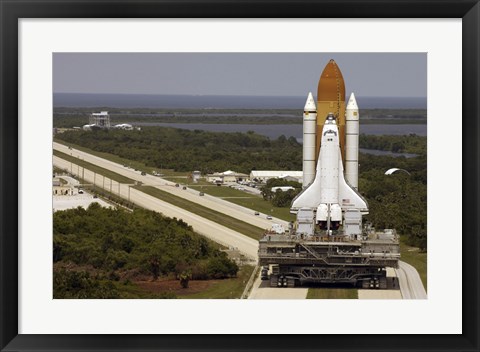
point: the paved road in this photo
(210, 229)
(411, 285)
(214, 203)
(382, 294)
(262, 290)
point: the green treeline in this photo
(395, 201)
(398, 144)
(280, 198)
(185, 150)
(70, 117)
(97, 251)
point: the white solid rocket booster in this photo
(351, 142)
(309, 128)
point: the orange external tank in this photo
(330, 98)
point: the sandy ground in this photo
(392, 293)
(79, 200)
(262, 290)
(379, 294)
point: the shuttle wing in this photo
(310, 196)
(348, 196)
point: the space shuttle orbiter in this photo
(329, 193)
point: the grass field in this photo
(217, 289)
(332, 293)
(253, 202)
(57, 170)
(92, 167)
(246, 200)
(228, 288)
(415, 258)
(116, 159)
(223, 191)
(220, 218)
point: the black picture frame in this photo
(12, 10)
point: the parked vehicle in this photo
(264, 273)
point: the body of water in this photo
(218, 101)
(383, 152)
(275, 131)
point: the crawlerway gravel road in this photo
(410, 283)
(220, 205)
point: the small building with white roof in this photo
(265, 175)
(226, 177)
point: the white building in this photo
(264, 176)
(100, 119)
(124, 126)
(88, 127)
(64, 186)
(227, 176)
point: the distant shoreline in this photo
(219, 101)
(70, 117)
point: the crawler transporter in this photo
(328, 242)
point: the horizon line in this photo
(234, 95)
